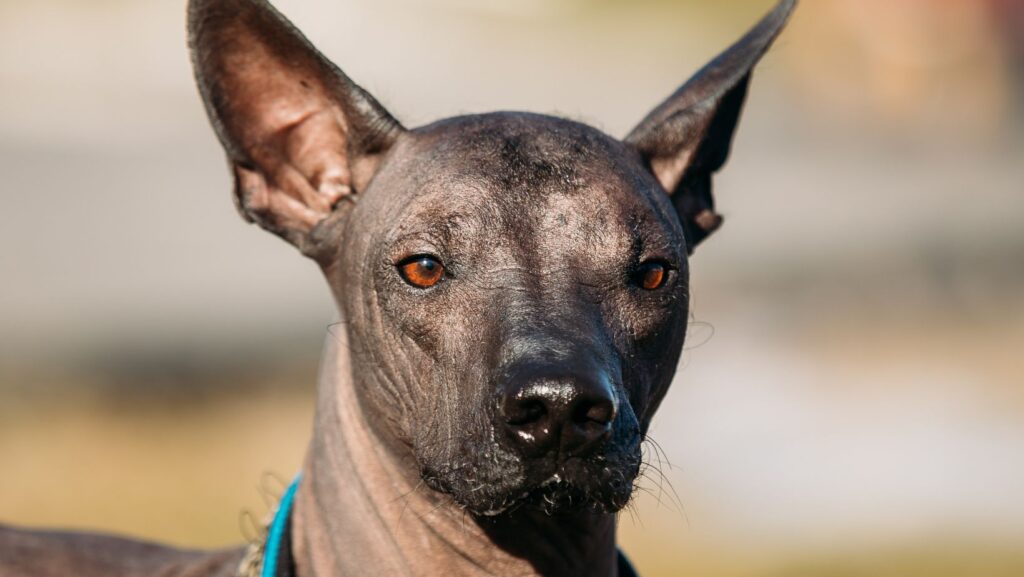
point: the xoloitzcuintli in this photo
(513, 296)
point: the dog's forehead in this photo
(525, 170)
(519, 152)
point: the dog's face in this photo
(514, 286)
(504, 260)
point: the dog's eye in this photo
(651, 275)
(421, 271)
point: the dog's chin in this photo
(575, 486)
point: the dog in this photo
(513, 296)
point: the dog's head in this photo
(514, 286)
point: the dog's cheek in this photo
(626, 432)
(472, 470)
(655, 355)
(410, 314)
(453, 434)
(623, 461)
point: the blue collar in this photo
(277, 531)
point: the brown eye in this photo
(652, 275)
(421, 271)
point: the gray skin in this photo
(491, 423)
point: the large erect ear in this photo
(299, 134)
(687, 138)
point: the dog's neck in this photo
(362, 508)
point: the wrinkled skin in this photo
(486, 420)
(541, 223)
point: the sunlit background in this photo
(851, 402)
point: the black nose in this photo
(569, 415)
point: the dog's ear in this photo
(687, 138)
(299, 134)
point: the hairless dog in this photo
(513, 290)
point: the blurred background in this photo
(851, 400)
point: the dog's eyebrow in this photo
(439, 230)
(651, 240)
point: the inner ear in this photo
(299, 134)
(687, 138)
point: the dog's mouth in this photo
(560, 495)
(601, 483)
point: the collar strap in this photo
(278, 530)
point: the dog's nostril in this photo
(526, 411)
(600, 412)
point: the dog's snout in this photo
(569, 415)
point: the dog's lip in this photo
(524, 494)
(521, 497)
(566, 478)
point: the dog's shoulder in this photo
(31, 553)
